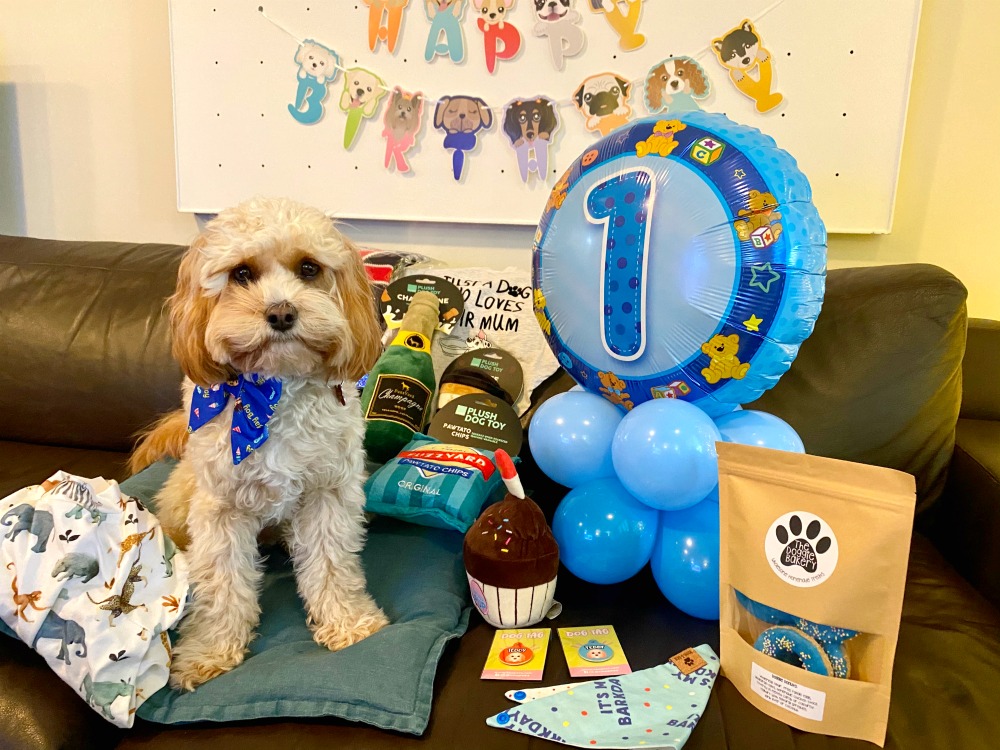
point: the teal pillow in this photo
(415, 574)
(435, 484)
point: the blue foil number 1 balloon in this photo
(622, 203)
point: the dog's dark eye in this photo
(680, 73)
(308, 269)
(242, 275)
(500, 9)
(614, 90)
(588, 97)
(369, 88)
(536, 117)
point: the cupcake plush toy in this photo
(511, 557)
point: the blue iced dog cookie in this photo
(792, 646)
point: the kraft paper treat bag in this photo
(812, 570)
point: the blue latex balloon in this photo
(759, 428)
(570, 437)
(664, 453)
(605, 535)
(685, 559)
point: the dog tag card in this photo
(559, 23)
(593, 652)
(396, 298)
(602, 99)
(461, 118)
(318, 66)
(517, 655)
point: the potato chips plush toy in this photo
(511, 557)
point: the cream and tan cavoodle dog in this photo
(272, 314)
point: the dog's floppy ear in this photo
(345, 97)
(578, 95)
(485, 113)
(654, 92)
(439, 111)
(349, 363)
(189, 313)
(699, 81)
(510, 126)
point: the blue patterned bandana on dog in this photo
(256, 397)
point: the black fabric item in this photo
(84, 355)
(880, 380)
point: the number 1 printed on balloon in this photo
(622, 203)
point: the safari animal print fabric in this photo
(89, 580)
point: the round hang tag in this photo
(395, 300)
(481, 421)
(493, 371)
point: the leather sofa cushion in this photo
(83, 322)
(880, 379)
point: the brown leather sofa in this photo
(84, 363)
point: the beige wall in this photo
(86, 143)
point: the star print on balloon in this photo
(761, 271)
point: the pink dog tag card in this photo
(363, 91)
(461, 118)
(559, 22)
(318, 66)
(502, 39)
(402, 121)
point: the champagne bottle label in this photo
(412, 340)
(399, 399)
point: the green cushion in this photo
(415, 574)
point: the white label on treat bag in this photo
(791, 696)
(801, 549)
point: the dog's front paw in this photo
(192, 666)
(352, 627)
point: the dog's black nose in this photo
(281, 316)
(746, 60)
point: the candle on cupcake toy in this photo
(511, 557)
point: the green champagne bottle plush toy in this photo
(398, 393)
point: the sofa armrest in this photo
(980, 385)
(38, 711)
(965, 523)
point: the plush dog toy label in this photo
(402, 125)
(558, 21)
(623, 17)
(461, 118)
(363, 91)
(502, 39)
(603, 101)
(742, 53)
(318, 66)
(385, 20)
(445, 36)
(530, 126)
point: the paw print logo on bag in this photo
(801, 549)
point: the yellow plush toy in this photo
(763, 211)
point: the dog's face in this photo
(362, 90)
(493, 11)
(530, 119)
(403, 113)
(601, 95)
(316, 60)
(738, 49)
(462, 114)
(271, 287)
(551, 11)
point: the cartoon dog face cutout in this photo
(552, 11)
(462, 114)
(362, 90)
(739, 48)
(493, 12)
(529, 120)
(317, 61)
(603, 100)
(403, 113)
(674, 83)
